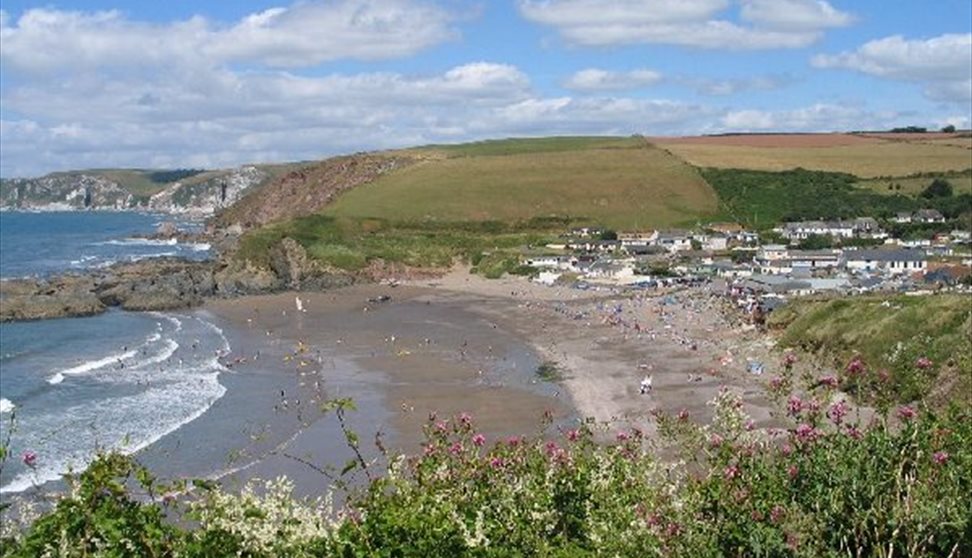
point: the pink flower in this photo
(715, 440)
(623, 436)
(794, 406)
(776, 514)
(750, 425)
(573, 435)
(465, 419)
(756, 515)
(30, 459)
(456, 448)
(829, 381)
(940, 457)
(479, 440)
(923, 363)
(806, 433)
(730, 472)
(855, 366)
(792, 472)
(551, 447)
(906, 413)
(497, 463)
(854, 433)
(513, 441)
(837, 412)
(428, 450)
(683, 414)
(786, 450)
(789, 359)
(440, 426)
(776, 383)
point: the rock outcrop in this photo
(201, 193)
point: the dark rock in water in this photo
(167, 229)
(34, 299)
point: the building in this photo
(673, 241)
(886, 261)
(801, 230)
(928, 216)
(637, 238)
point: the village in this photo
(764, 270)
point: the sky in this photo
(178, 84)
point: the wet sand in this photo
(461, 343)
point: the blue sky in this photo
(104, 83)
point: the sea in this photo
(72, 387)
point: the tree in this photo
(608, 234)
(939, 188)
(816, 242)
(950, 129)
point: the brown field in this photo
(869, 158)
(770, 140)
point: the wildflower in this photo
(715, 440)
(623, 436)
(789, 359)
(792, 471)
(786, 450)
(794, 405)
(750, 425)
(906, 413)
(479, 440)
(730, 472)
(776, 514)
(855, 366)
(456, 448)
(551, 447)
(441, 426)
(806, 432)
(756, 515)
(837, 412)
(923, 363)
(854, 433)
(940, 457)
(573, 435)
(776, 383)
(465, 419)
(829, 381)
(513, 441)
(683, 414)
(428, 450)
(497, 463)
(30, 459)
(673, 529)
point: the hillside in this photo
(616, 182)
(863, 155)
(891, 334)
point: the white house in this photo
(673, 241)
(800, 230)
(637, 238)
(928, 216)
(887, 261)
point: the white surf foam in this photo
(90, 366)
(6, 405)
(139, 242)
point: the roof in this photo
(886, 255)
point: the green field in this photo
(616, 182)
(961, 182)
(889, 333)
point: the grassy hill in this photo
(616, 182)
(890, 333)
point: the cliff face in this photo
(202, 193)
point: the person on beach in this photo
(646, 385)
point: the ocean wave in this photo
(6, 405)
(166, 399)
(91, 365)
(139, 242)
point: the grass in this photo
(548, 371)
(961, 182)
(615, 182)
(866, 161)
(889, 333)
(492, 248)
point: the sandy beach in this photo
(461, 343)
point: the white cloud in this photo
(732, 86)
(942, 64)
(794, 14)
(820, 117)
(694, 23)
(305, 34)
(595, 79)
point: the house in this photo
(586, 232)
(815, 259)
(960, 236)
(771, 252)
(728, 229)
(673, 241)
(546, 261)
(867, 227)
(902, 217)
(801, 230)
(928, 216)
(713, 242)
(886, 261)
(598, 246)
(637, 238)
